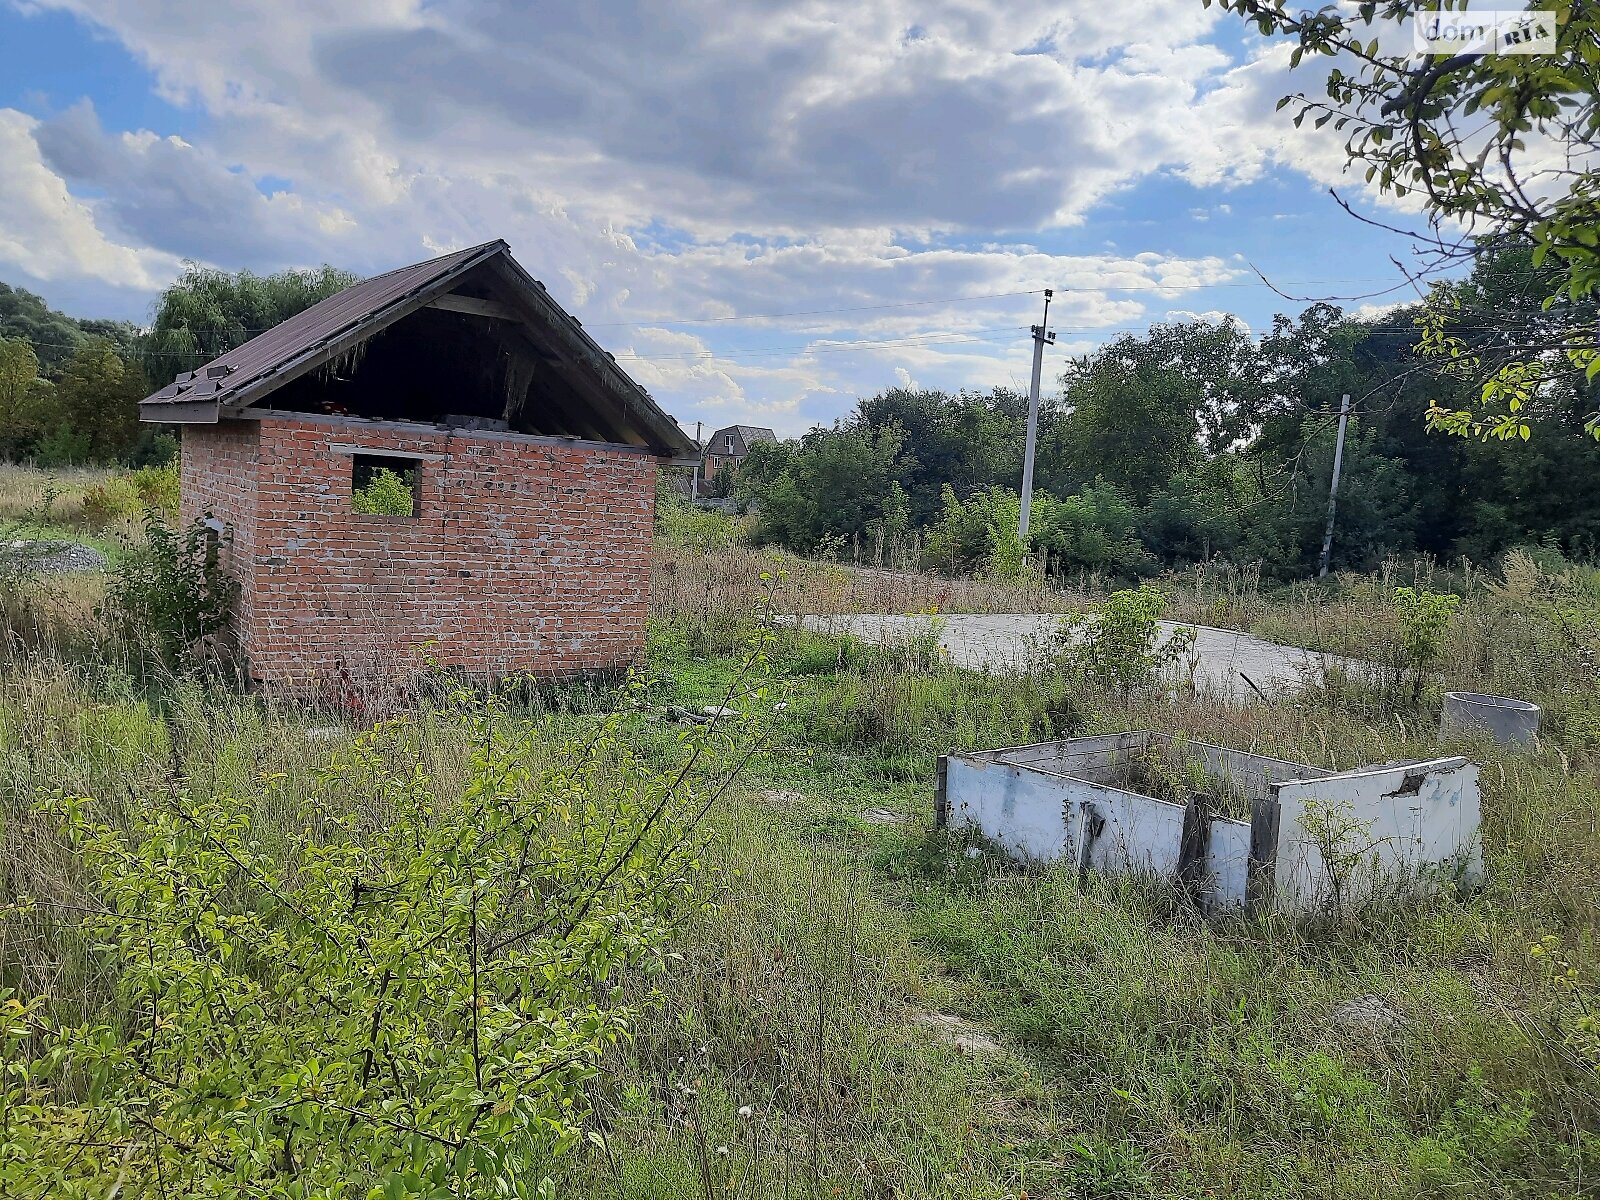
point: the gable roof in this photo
(247, 374)
(748, 435)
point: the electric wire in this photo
(823, 345)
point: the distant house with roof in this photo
(515, 461)
(726, 448)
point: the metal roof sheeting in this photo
(325, 320)
(249, 373)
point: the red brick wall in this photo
(218, 473)
(522, 556)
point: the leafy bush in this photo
(63, 446)
(159, 488)
(1424, 619)
(171, 596)
(132, 494)
(963, 538)
(980, 536)
(385, 492)
(1093, 530)
(153, 448)
(112, 499)
(1007, 557)
(412, 993)
(1201, 513)
(833, 486)
(1118, 644)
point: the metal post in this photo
(1333, 490)
(1040, 338)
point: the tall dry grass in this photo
(1421, 1048)
(1529, 629)
(1130, 1048)
(24, 489)
(709, 588)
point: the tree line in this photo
(1193, 441)
(70, 388)
(1197, 441)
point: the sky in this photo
(764, 210)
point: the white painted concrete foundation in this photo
(1315, 839)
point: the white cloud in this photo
(725, 390)
(48, 234)
(1371, 311)
(661, 162)
(177, 197)
(718, 118)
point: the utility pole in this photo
(1041, 337)
(1333, 491)
(694, 483)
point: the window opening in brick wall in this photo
(383, 484)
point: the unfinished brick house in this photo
(439, 461)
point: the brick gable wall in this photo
(522, 556)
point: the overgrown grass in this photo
(1529, 630)
(22, 489)
(707, 575)
(903, 1014)
(100, 507)
(1169, 1055)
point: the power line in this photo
(1185, 286)
(935, 337)
(932, 337)
(815, 312)
(1081, 288)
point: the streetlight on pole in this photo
(1040, 338)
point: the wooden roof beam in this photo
(474, 307)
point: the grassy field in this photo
(94, 506)
(1142, 1050)
(866, 1007)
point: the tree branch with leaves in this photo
(1500, 149)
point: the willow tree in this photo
(208, 312)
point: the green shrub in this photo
(154, 448)
(1424, 619)
(980, 535)
(385, 492)
(171, 596)
(112, 499)
(1118, 644)
(1092, 531)
(1007, 557)
(159, 488)
(63, 446)
(132, 494)
(410, 996)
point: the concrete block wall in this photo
(1402, 826)
(523, 555)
